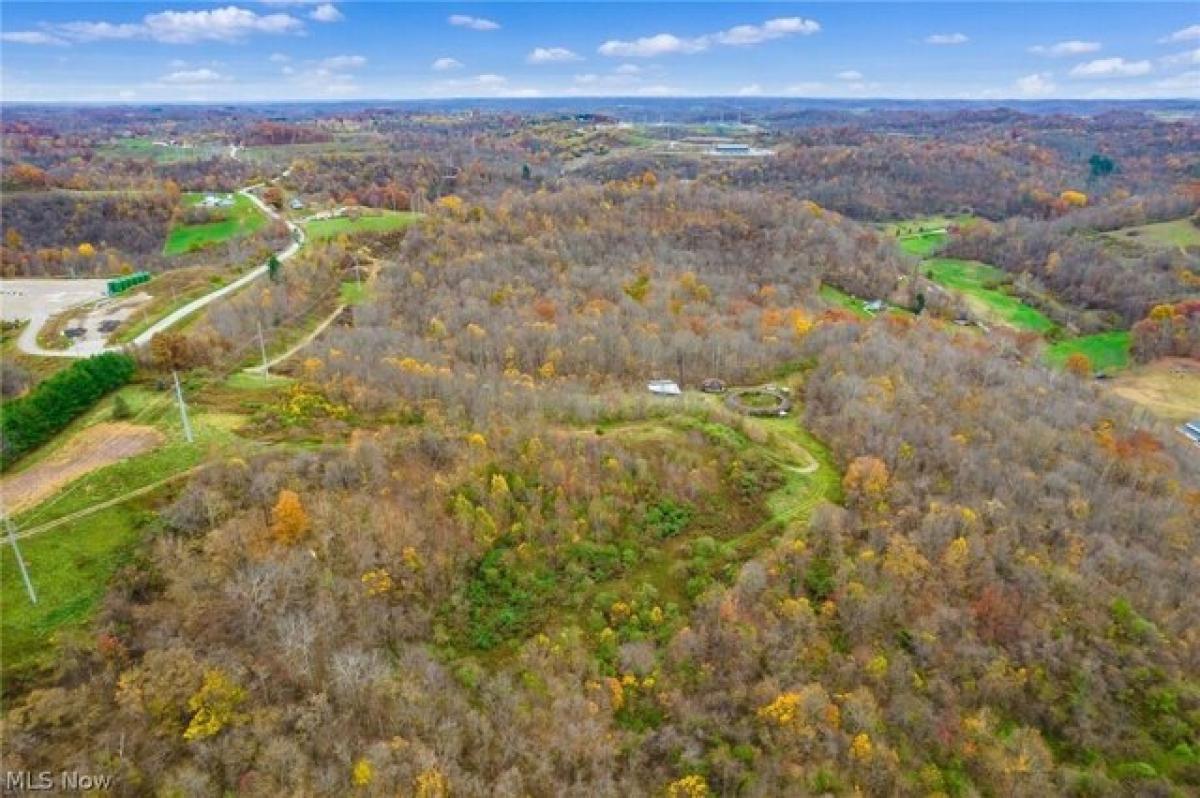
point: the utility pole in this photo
(183, 414)
(12, 539)
(262, 348)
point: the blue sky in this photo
(280, 50)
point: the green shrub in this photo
(30, 421)
(121, 409)
(667, 519)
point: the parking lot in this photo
(25, 299)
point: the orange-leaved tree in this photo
(289, 520)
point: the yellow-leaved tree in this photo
(214, 706)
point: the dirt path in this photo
(95, 447)
(305, 341)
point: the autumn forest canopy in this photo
(923, 519)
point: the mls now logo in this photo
(45, 780)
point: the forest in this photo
(450, 545)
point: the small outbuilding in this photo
(1191, 431)
(713, 385)
(296, 204)
(664, 388)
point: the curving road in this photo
(27, 342)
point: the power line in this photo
(12, 540)
(183, 414)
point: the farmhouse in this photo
(1191, 431)
(734, 149)
(296, 204)
(213, 201)
(664, 388)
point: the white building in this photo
(664, 388)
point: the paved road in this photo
(27, 342)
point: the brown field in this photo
(95, 447)
(1168, 388)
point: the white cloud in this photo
(191, 77)
(741, 35)
(485, 85)
(1038, 84)
(737, 36)
(228, 24)
(1110, 68)
(850, 74)
(947, 38)
(651, 46)
(219, 24)
(126, 94)
(1072, 47)
(326, 12)
(31, 37)
(446, 64)
(474, 23)
(551, 55)
(279, 58)
(1187, 34)
(100, 31)
(753, 90)
(341, 62)
(628, 69)
(287, 70)
(1190, 57)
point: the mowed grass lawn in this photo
(1107, 351)
(979, 282)
(380, 222)
(922, 244)
(839, 298)
(244, 218)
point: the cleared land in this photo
(375, 222)
(168, 292)
(244, 218)
(1179, 233)
(72, 564)
(1168, 388)
(839, 298)
(26, 298)
(142, 148)
(95, 447)
(1107, 351)
(979, 284)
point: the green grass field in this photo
(978, 283)
(1179, 233)
(244, 218)
(72, 565)
(839, 298)
(1107, 351)
(354, 293)
(381, 222)
(922, 245)
(918, 237)
(141, 148)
